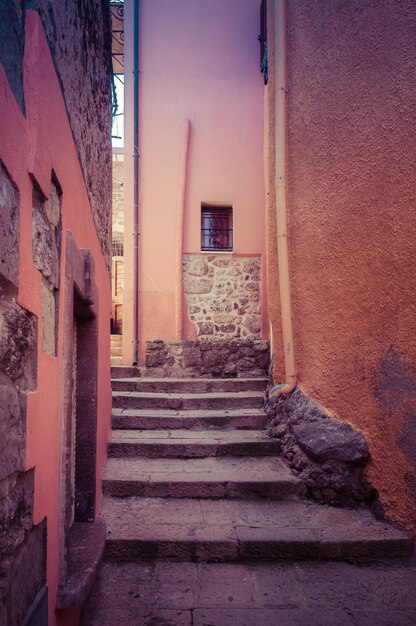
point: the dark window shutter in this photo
(263, 39)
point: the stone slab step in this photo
(243, 477)
(116, 360)
(191, 444)
(189, 385)
(231, 530)
(163, 419)
(183, 401)
(116, 351)
(124, 371)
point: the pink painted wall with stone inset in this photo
(198, 61)
(36, 149)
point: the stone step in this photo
(231, 530)
(116, 351)
(184, 401)
(116, 360)
(124, 371)
(163, 419)
(189, 385)
(186, 444)
(243, 477)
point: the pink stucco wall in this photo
(352, 222)
(35, 144)
(198, 61)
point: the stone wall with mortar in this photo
(118, 193)
(223, 295)
(207, 358)
(22, 545)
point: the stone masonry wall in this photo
(207, 358)
(79, 38)
(118, 194)
(223, 295)
(22, 546)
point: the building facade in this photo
(199, 264)
(55, 299)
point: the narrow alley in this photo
(207, 313)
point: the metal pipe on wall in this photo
(281, 203)
(180, 216)
(136, 182)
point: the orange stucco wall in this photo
(197, 61)
(34, 145)
(351, 176)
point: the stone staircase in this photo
(191, 476)
(116, 349)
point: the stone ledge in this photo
(85, 553)
(213, 358)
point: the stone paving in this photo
(253, 594)
(224, 527)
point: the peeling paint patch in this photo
(411, 483)
(407, 440)
(396, 383)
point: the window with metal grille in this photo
(216, 228)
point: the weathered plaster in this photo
(351, 89)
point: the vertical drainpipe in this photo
(289, 385)
(136, 182)
(180, 217)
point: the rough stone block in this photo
(11, 432)
(26, 575)
(48, 318)
(331, 439)
(193, 284)
(205, 328)
(155, 358)
(52, 207)
(191, 357)
(17, 338)
(9, 228)
(44, 244)
(324, 452)
(16, 511)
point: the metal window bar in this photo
(216, 229)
